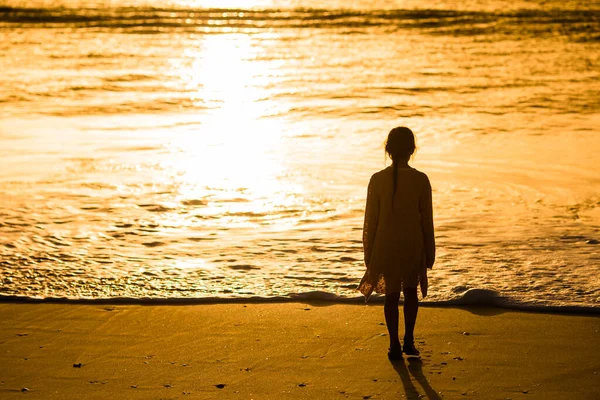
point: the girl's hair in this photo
(400, 145)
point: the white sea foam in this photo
(473, 299)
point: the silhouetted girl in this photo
(398, 238)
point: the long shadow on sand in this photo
(415, 368)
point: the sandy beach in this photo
(290, 350)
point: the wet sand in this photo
(291, 350)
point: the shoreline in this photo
(468, 303)
(291, 350)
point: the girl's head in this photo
(400, 144)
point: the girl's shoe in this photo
(395, 353)
(410, 349)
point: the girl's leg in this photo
(411, 307)
(390, 310)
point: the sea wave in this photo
(582, 25)
(469, 299)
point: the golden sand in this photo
(289, 351)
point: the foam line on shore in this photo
(471, 298)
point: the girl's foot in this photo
(395, 352)
(410, 349)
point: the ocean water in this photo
(218, 150)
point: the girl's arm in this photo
(426, 209)
(371, 220)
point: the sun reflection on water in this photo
(236, 155)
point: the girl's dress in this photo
(398, 237)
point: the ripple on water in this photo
(244, 267)
(194, 202)
(153, 244)
(155, 207)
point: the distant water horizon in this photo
(217, 151)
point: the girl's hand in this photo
(424, 283)
(429, 264)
